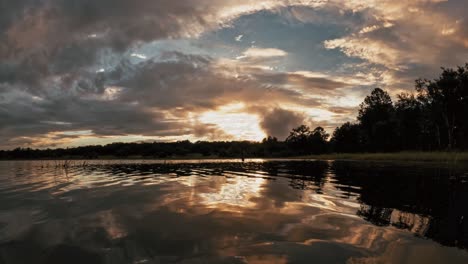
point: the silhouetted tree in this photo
(272, 147)
(412, 130)
(376, 119)
(447, 99)
(299, 139)
(318, 140)
(304, 141)
(270, 139)
(347, 138)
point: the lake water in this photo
(232, 212)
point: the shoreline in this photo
(450, 157)
(406, 156)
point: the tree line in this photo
(433, 117)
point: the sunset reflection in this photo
(256, 212)
(234, 194)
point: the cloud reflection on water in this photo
(259, 212)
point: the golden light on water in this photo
(235, 193)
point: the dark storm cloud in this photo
(52, 52)
(51, 47)
(60, 29)
(28, 117)
(10, 11)
(40, 39)
(119, 22)
(209, 131)
(152, 98)
(279, 122)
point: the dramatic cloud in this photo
(279, 122)
(79, 72)
(408, 37)
(149, 99)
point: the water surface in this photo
(232, 212)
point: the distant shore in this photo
(452, 157)
(407, 156)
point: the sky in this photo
(93, 72)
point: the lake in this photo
(224, 211)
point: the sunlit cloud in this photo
(262, 53)
(367, 49)
(138, 55)
(209, 70)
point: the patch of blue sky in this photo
(303, 41)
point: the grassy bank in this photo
(452, 157)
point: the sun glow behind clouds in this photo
(126, 81)
(235, 121)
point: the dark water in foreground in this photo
(224, 212)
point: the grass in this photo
(451, 157)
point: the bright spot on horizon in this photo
(234, 121)
(195, 70)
